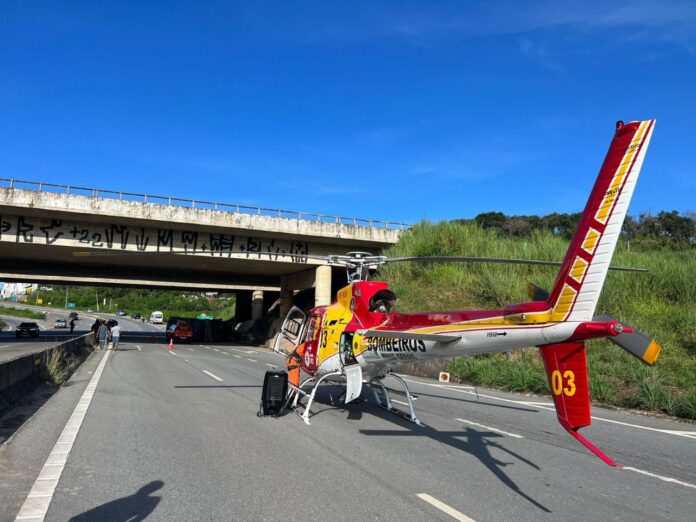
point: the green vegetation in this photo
(661, 303)
(171, 303)
(20, 312)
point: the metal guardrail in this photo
(191, 203)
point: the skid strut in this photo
(388, 403)
(298, 391)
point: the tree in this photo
(491, 220)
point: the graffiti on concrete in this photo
(115, 237)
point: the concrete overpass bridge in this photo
(172, 242)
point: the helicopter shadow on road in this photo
(474, 442)
(137, 506)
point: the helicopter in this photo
(359, 339)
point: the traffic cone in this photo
(171, 343)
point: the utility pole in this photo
(96, 295)
(66, 298)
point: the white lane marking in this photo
(496, 430)
(687, 434)
(140, 348)
(171, 353)
(215, 349)
(39, 498)
(4, 346)
(237, 356)
(457, 515)
(661, 477)
(271, 365)
(212, 375)
(240, 350)
(190, 349)
(252, 360)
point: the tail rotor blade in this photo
(636, 343)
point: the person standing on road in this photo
(72, 326)
(95, 330)
(115, 335)
(103, 335)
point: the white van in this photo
(156, 318)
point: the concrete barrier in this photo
(21, 375)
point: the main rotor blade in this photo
(636, 343)
(466, 259)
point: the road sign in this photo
(71, 305)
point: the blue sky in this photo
(388, 110)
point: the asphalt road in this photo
(175, 436)
(12, 347)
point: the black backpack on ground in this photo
(273, 396)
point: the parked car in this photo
(156, 317)
(121, 313)
(179, 330)
(73, 315)
(135, 315)
(89, 310)
(60, 323)
(27, 330)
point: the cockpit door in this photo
(291, 332)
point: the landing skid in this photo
(298, 391)
(384, 401)
(387, 402)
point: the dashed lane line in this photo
(661, 477)
(237, 356)
(490, 428)
(39, 499)
(171, 353)
(212, 375)
(252, 360)
(457, 515)
(271, 365)
(140, 348)
(216, 350)
(190, 349)
(4, 346)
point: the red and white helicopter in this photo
(358, 339)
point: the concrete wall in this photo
(18, 376)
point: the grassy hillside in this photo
(661, 303)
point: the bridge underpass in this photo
(158, 242)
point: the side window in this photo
(309, 332)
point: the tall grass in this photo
(661, 303)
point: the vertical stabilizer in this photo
(579, 283)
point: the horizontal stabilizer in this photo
(391, 334)
(636, 343)
(536, 293)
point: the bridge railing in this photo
(193, 203)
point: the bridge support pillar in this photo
(243, 306)
(322, 286)
(285, 297)
(257, 305)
